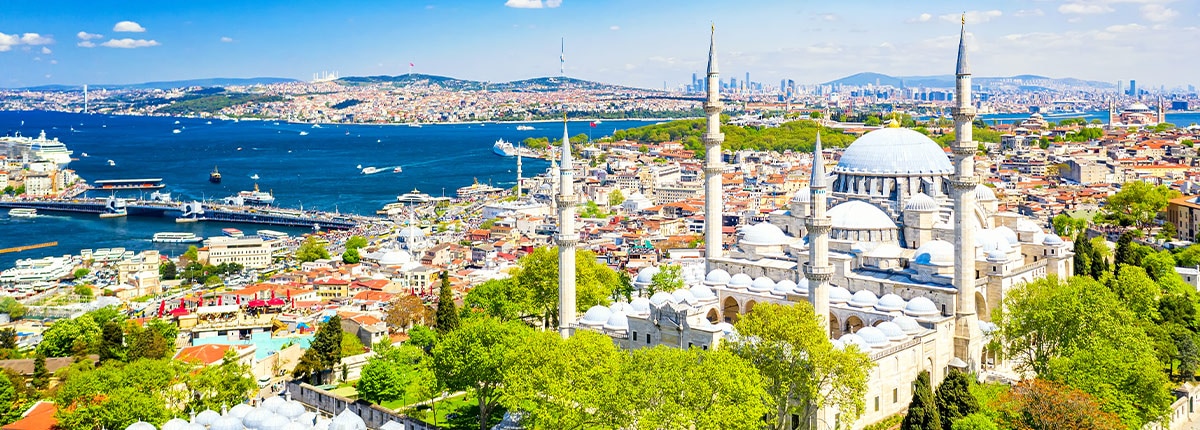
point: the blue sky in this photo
(642, 43)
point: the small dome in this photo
(257, 417)
(987, 327)
(701, 292)
(1137, 107)
(935, 252)
(984, 194)
(206, 417)
(595, 316)
(618, 321)
(240, 410)
(646, 275)
(717, 277)
(906, 323)
(838, 345)
(141, 425)
(411, 231)
(890, 303)
(1007, 234)
(273, 403)
(849, 339)
(763, 233)
(308, 418)
(762, 284)
(1052, 240)
(784, 287)
(839, 295)
(886, 250)
(863, 299)
(921, 307)
(276, 422)
(660, 298)
(893, 332)
(873, 336)
(920, 202)
(988, 240)
(740, 281)
(640, 305)
(297, 426)
(859, 215)
(997, 256)
(894, 151)
(802, 287)
(620, 307)
(227, 422)
(683, 295)
(395, 257)
(1024, 224)
(347, 421)
(178, 424)
(804, 196)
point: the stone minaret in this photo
(567, 237)
(518, 172)
(712, 159)
(968, 339)
(818, 270)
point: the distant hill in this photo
(166, 85)
(552, 83)
(947, 81)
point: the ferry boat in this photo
(215, 176)
(414, 197)
(504, 149)
(370, 170)
(112, 163)
(304, 133)
(255, 197)
(477, 189)
(397, 170)
(174, 237)
(175, 131)
(160, 196)
(128, 184)
(272, 235)
(232, 232)
(22, 213)
(524, 127)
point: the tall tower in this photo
(968, 343)
(562, 57)
(518, 171)
(712, 159)
(85, 98)
(818, 270)
(567, 238)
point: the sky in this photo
(628, 42)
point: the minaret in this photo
(712, 159)
(818, 270)
(518, 171)
(567, 237)
(968, 343)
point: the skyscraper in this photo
(1133, 91)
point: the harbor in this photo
(195, 212)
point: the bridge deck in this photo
(175, 210)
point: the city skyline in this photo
(618, 42)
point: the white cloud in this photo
(532, 4)
(36, 39)
(1028, 12)
(615, 28)
(129, 27)
(829, 17)
(226, 39)
(824, 48)
(86, 44)
(53, 61)
(1084, 8)
(1158, 13)
(921, 18)
(1124, 28)
(7, 41)
(46, 51)
(129, 43)
(83, 35)
(974, 17)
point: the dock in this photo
(127, 184)
(28, 247)
(195, 212)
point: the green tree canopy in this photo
(218, 386)
(669, 278)
(386, 376)
(922, 411)
(1138, 203)
(447, 312)
(538, 273)
(476, 357)
(311, 250)
(324, 353)
(67, 336)
(954, 399)
(503, 299)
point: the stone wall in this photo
(330, 404)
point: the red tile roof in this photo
(39, 417)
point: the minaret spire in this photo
(818, 271)
(968, 340)
(713, 212)
(567, 238)
(518, 170)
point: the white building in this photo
(250, 252)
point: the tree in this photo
(12, 307)
(1068, 226)
(405, 311)
(61, 338)
(669, 278)
(447, 311)
(567, 384)
(167, 271)
(117, 394)
(147, 343)
(503, 299)
(387, 375)
(351, 345)
(217, 387)
(422, 337)
(351, 256)
(80, 272)
(41, 377)
(112, 342)
(8, 340)
(476, 357)
(311, 250)
(538, 273)
(615, 198)
(1041, 404)
(356, 242)
(800, 366)
(1189, 257)
(84, 291)
(922, 412)
(1083, 255)
(954, 399)
(1138, 203)
(323, 353)
(694, 388)
(192, 255)
(974, 422)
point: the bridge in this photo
(193, 212)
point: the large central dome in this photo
(894, 151)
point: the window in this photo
(704, 347)
(876, 403)
(635, 336)
(895, 395)
(689, 345)
(647, 338)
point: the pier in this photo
(195, 212)
(127, 184)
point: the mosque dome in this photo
(1007, 234)
(227, 422)
(194, 426)
(762, 284)
(620, 307)
(859, 215)
(873, 336)
(646, 275)
(763, 233)
(640, 305)
(395, 257)
(894, 151)
(920, 202)
(987, 327)
(595, 316)
(701, 292)
(890, 303)
(140, 425)
(802, 287)
(1024, 224)
(1137, 107)
(717, 277)
(347, 421)
(804, 196)
(1052, 240)
(997, 256)
(291, 410)
(322, 424)
(273, 403)
(257, 417)
(740, 281)
(936, 252)
(863, 299)
(206, 417)
(179, 424)
(275, 422)
(886, 250)
(661, 297)
(839, 295)
(838, 345)
(784, 287)
(984, 194)
(920, 307)
(410, 231)
(892, 331)
(618, 321)
(308, 417)
(990, 240)
(854, 339)
(907, 323)
(294, 425)
(683, 295)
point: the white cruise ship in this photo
(41, 148)
(174, 237)
(29, 270)
(504, 148)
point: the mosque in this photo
(898, 246)
(1137, 114)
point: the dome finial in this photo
(963, 67)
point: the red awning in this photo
(257, 303)
(179, 311)
(276, 302)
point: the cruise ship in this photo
(256, 197)
(504, 148)
(40, 148)
(173, 237)
(29, 270)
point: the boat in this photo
(127, 184)
(477, 189)
(255, 197)
(397, 170)
(414, 197)
(370, 170)
(414, 124)
(215, 176)
(524, 127)
(232, 232)
(84, 155)
(176, 131)
(254, 176)
(503, 148)
(112, 163)
(304, 133)
(359, 167)
(40, 148)
(208, 123)
(177, 121)
(316, 126)
(272, 235)
(174, 237)
(48, 269)
(22, 213)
